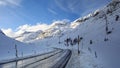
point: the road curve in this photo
(63, 60)
(56, 59)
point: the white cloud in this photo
(21, 29)
(30, 28)
(33, 28)
(10, 2)
(2, 3)
(61, 21)
(79, 7)
(76, 6)
(52, 11)
(69, 5)
(60, 4)
(38, 26)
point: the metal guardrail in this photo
(61, 63)
(23, 58)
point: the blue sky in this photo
(14, 13)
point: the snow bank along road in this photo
(54, 59)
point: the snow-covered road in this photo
(48, 60)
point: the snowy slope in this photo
(100, 46)
(8, 51)
(105, 53)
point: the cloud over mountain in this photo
(31, 28)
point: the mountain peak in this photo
(1, 32)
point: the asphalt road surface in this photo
(55, 59)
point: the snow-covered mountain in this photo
(54, 29)
(99, 30)
(27, 36)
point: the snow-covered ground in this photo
(8, 50)
(99, 47)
